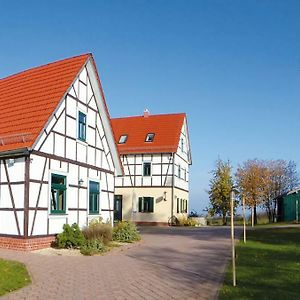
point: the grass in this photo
(13, 276)
(267, 266)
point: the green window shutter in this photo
(151, 204)
(140, 204)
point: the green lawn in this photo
(13, 275)
(268, 266)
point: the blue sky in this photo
(232, 66)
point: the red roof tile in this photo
(167, 129)
(28, 99)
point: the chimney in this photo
(146, 113)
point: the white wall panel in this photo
(56, 224)
(40, 224)
(81, 152)
(5, 200)
(48, 145)
(82, 92)
(8, 223)
(83, 76)
(59, 145)
(16, 171)
(71, 107)
(71, 149)
(37, 167)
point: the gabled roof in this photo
(28, 99)
(166, 127)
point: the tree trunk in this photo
(255, 215)
(224, 219)
(252, 216)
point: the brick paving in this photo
(170, 263)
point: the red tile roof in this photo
(28, 99)
(167, 129)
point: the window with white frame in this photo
(81, 126)
(149, 137)
(94, 193)
(123, 139)
(58, 194)
(146, 204)
(147, 169)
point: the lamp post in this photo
(232, 237)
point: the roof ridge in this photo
(47, 64)
(151, 115)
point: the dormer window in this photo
(149, 137)
(123, 139)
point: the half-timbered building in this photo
(58, 157)
(155, 153)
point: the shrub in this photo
(92, 247)
(126, 232)
(71, 237)
(98, 231)
(184, 221)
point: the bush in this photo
(184, 221)
(92, 247)
(98, 231)
(125, 232)
(71, 237)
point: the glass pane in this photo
(61, 200)
(122, 139)
(147, 169)
(55, 179)
(82, 118)
(53, 199)
(94, 187)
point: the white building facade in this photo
(65, 174)
(156, 161)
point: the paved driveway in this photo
(170, 263)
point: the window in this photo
(149, 137)
(123, 139)
(58, 194)
(182, 144)
(81, 126)
(147, 169)
(185, 206)
(178, 208)
(146, 204)
(184, 172)
(94, 197)
(179, 172)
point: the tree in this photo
(220, 187)
(251, 178)
(282, 177)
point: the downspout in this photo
(173, 183)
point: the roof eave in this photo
(15, 152)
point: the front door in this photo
(118, 208)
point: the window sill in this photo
(82, 142)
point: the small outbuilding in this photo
(289, 206)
